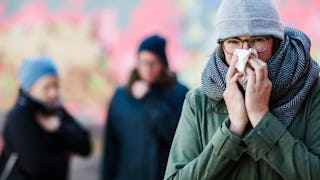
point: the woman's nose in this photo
(245, 45)
(53, 94)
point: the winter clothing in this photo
(285, 142)
(205, 148)
(41, 154)
(32, 70)
(291, 70)
(139, 133)
(157, 45)
(247, 17)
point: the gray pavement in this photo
(85, 168)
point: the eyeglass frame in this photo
(242, 41)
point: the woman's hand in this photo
(258, 90)
(235, 101)
(49, 123)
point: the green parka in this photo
(204, 147)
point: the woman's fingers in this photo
(236, 77)
(260, 69)
(232, 68)
(251, 78)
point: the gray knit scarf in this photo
(291, 70)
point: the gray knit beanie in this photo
(248, 17)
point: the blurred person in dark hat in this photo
(39, 134)
(143, 116)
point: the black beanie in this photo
(157, 45)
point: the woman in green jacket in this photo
(267, 127)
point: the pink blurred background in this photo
(94, 42)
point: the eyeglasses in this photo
(259, 43)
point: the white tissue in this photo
(243, 57)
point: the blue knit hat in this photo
(157, 45)
(33, 69)
(248, 17)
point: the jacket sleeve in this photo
(110, 149)
(74, 137)
(164, 121)
(165, 115)
(23, 141)
(292, 158)
(189, 159)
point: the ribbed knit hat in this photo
(248, 17)
(155, 44)
(33, 69)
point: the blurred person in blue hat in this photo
(265, 127)
(39, 134)
(143, 116)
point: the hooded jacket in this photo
(139, 133)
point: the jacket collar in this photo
(218, 106)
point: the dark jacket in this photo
(139, 133)
(41, 155)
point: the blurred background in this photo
(94, 43)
